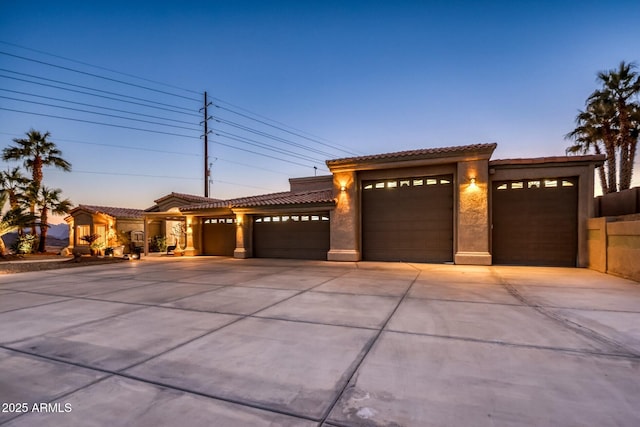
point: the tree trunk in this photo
(603, 180)
(3, 248)
(612, 186)
(43, 230)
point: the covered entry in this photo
(300, 236)
(408, 219)
(535, 222)
(218, 236)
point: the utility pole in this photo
(206, 145)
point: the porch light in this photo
(343, 187)
(472, 181)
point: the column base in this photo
(241, 253)
(473, 258)
(343, 255)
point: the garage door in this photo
(408, 219)
(535, 222)
(218, 236)
(300, 236)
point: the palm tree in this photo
(36, 151)
(611, 125)
(620, 86)
(12, 183)
(596, 130)
(48, 201)
(10, 221)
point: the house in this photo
(448, 204)
(107, 222)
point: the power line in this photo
(99, 67)
(99, 114)
(98, 76)
(265, 146)
(284, 130)
(96, 106)
(268, 135)
(190, 111)
(99, 123)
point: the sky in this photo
(292, 84)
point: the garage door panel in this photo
(218, 236)
(535, 226)
(291, 239)
(409, 219)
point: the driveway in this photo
(227, 342)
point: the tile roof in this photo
(121, 213)
(273, 199)
(598, 158)
(424, 153)
(188, 197)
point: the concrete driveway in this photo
(226, 342)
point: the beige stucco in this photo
(472, 213)
(344, 243)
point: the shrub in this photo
(158, 244)
(25, 244)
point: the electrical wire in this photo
(97, 106)
(98, 76)
(99, 67)
(99, 123)
(99, 114)
(190, 111)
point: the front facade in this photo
(111, 224)
(439, 205)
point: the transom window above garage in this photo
(406, 182)
(536, 184)
(219, 221)
(293, 218)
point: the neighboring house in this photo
(443, 205)
(105, 221)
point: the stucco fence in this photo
(614, 245)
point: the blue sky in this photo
(362, 77)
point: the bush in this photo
(158, 244)
(25, 244)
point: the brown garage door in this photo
(535, 222)
(218, 236)
(300, 236)
(408, 219)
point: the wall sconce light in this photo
(343, 188)
(239, 221)
(472, 181)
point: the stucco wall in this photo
(614, 246)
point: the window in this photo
(81, 231)
(431, 181)
(392, 184)
(550, 183)
(305, 217)
(566, 183)
(418, 182)
(445, 181)
(533, 184)
(379, 184)
(276, 219)
(405, 182)
(137, 236)
(258, 219)
(501, 187)
(368, 186)
(517, 185)
(315, 218)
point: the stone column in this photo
(473, 223)
(345, 219)
(145, 236)
(244, 236)
(189, 250)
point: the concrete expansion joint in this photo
(352, 376)
(618, 348)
